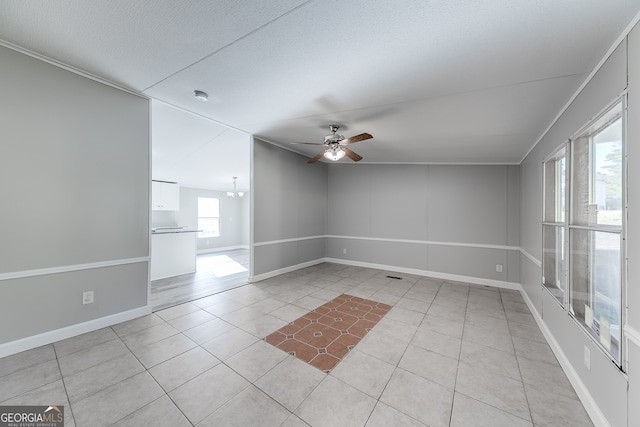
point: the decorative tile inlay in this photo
(325, 335)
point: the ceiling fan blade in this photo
(352, 155)
(356, 138)
(316, 157)
(309, 143)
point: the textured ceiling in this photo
(457, 81)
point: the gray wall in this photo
(74, 188)
(633, 225)
(289, 203)
(455, 220)
(606, 385)
(234, 218)
(452, 220)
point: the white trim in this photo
(531, 258)
(593, 120)
(71, 69)
(604, 59)
(294, 239)
(328, 162)
(589, 403)
(280, 145)
(252, 145)
(149, 202)
(429, 242)
(289, 269)
(209, 119)
(226, 248)
(49, 337)
(632, 335)
(68, 268)
(382, 239)
(427, 273)
(514, 163)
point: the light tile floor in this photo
(446, 354)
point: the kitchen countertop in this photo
(171, 230)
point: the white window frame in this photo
(621, 361)
(561, 259)
(204, 234)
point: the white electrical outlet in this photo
(499, 268)
(87, 297)
(344, 251)
(587, 358)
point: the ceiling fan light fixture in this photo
(335, 146)
(334, 154)
(202, 96)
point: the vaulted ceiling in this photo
(456, 81)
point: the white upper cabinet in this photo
(165, 196)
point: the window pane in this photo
(607, 192)
(582, 211)
(597, 172)
(208, 207)
(554, 188)
(596, 285)
(561, 169)
(553, 261)
(210, 227)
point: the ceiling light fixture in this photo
(334, 154)
(235, 193)
(202, 96)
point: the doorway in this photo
(210, 163)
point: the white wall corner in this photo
(274, 273)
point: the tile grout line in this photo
(396, 367)
(154, 379)
(64, 384)
(492, 406)
(515, 354)
(455, 383)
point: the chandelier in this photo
(235, 193)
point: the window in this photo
(596, 229)
(208, 217)
(554, 224)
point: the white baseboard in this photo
(49, 337)
(274, 273)
(427, 273)
(590, 405)
(226, 248)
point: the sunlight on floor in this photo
(220, 266)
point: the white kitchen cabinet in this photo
(172, 254)
(165, 196)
